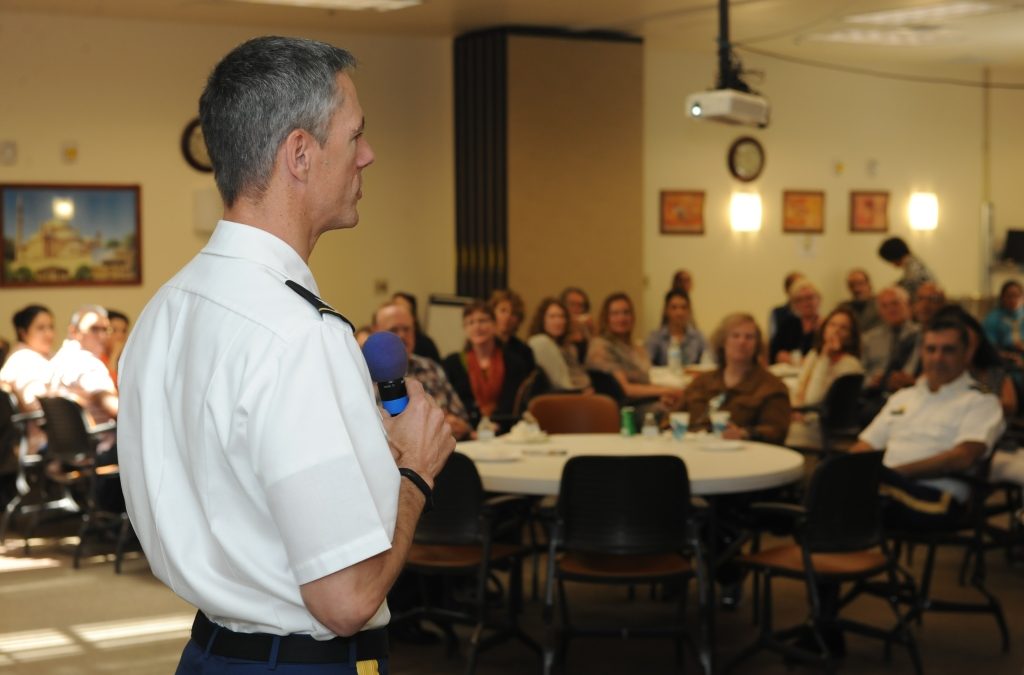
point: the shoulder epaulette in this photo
(983, 388)
(320, 305)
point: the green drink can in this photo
(627, 416)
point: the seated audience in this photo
(928, 300)
(890, 352)
(552, 351)
(27, 370)
(782, 311)
(424, 345)
(862, 301)
(684, 280)
(836, 353)
(485, 377)
(509, 314)
(395, 318)
(984, 362)
(758, 402)
(1003, 324)
(615, 353)
(119, 324)
(944, 424)
(677, 332)
(364, 332)
(77, 370)
(896, 252)
(581, 324)
(795, 333)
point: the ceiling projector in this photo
(728, 105)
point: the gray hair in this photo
(899, 291)
(85, 310)
(259, 93)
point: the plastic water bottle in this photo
(675, 357)
(650, 427)
(485, 430)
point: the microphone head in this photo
(386, 357)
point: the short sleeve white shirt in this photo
(253, 457)
(917, 423)
(25, 374)
(81, 375)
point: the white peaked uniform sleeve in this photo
(982, 421)
(878, 432)
(320, 452)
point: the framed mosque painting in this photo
(70, 235)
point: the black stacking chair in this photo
(838, 414)
(35, 495)
(838, 540)
(464, 538)
(72, 442)
(624, 521)
(971, 534)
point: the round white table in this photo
(715, 466)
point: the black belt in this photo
(369, 644)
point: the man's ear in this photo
(297, 149)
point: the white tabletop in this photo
(715, 466)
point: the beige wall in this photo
(575, 164)
(915, 136)
(124, 90)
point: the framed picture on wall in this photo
(803, 211)
(869, 211)
(70, 235)
(682, 212)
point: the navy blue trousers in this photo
(195, 661)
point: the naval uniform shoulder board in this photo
(320, 305)
(983, 388)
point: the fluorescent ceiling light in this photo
(378, 5)
(925, 14)
(900, 37)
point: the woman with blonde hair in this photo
(757, 401)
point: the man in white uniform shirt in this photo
(77, 369)
(263, 483)
(945, 423)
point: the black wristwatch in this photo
(417, 480)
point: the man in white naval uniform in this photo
(943, 424)
(260, 477)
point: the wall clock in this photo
(746, 158)
(193, 147)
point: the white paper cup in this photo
(719, 420)
(680, 422)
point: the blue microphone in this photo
(387, 360)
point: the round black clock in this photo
(193, 147)
(746, 158)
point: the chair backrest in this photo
(458, 496)
(535, 384)
(576, 413)
(605, 383)
(67, 434)
(623, 505)
(841, 407)
(844, 511)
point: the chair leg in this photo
(11, 509)
(122, 539)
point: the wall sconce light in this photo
(924, 211)
(745, 212)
